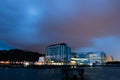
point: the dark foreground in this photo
(102, 73)
(96, 73)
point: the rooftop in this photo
(57, 44)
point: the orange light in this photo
(4, 62)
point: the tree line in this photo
(19, 55)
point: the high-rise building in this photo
(58, 53)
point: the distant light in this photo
(26, 63)
(91, 64)
(39, 63)
(4, 62)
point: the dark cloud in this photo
(34, 24)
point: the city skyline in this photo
(83, 25)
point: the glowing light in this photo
(26, 63)
(91, 64)
(39, 63)
(73, 62)
(4, 62)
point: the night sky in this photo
(85, 25)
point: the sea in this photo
(90, 73)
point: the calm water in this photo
(55, 74)
(29, 74)
(106, 73)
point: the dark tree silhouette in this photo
(19, 55)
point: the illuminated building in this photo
(41, 59)
(58, 53)
(109, 58)
(97, 58)
(80, 59)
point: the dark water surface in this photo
(98, 73)
(29, 74)
(102, 73)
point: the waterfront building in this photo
(79, 59)
(58, 53)
(109, 58)
(97, 58)
(82, 59)
(41, 59)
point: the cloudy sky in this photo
(85, 25)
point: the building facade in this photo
(97, 58)
(109, 58)
(79, 59)
(58, 53)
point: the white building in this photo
(97, 58)
(41, 59)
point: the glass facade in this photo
(97, 58)
(58, 53)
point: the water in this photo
(29, 74)
(105, 73)
(98, 73)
